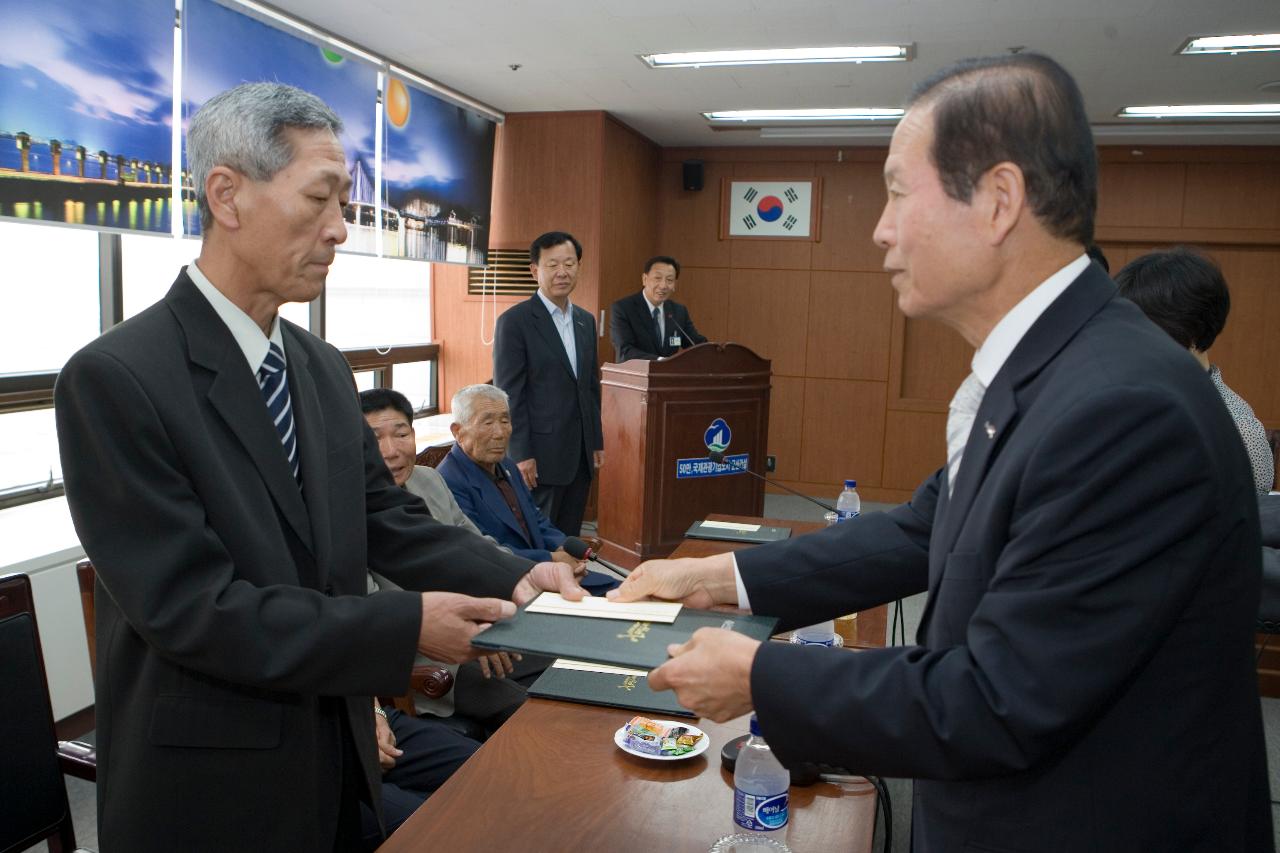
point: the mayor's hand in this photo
(700, 582)
(529, 471)
(548, 577)
(450, 620)
(710, 674)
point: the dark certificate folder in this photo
(761, 534)
(611, 689)
(640, 645)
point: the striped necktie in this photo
(964, 408)
(274, 383)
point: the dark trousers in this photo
(432, 752)
(564, 506)
(491, 701)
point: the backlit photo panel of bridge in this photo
(223, 47)
(437, 175)
(86, 94)
(87, 128)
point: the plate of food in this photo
(661, 740)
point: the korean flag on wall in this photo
(769, 208)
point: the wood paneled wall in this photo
(861, 391)
(1225, 201)
(581, 172)
(629, 220)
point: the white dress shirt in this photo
(247, 333)
(995, 350)
(564, 325)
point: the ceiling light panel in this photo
(1203, 111)
(781, 56)
(1255, 43)
(836, 114)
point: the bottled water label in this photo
(846, 514)
(759, 813)
(799, 639)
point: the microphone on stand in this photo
(580, 550)
(717, 456)
(684, 336)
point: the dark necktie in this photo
(657, 330)
(509, 495)
(274, 383)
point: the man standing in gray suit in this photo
(544, 357)
(223, 481)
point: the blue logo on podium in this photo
(716, 438)
(718, 435)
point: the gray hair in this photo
(463, 403)
(244, 128)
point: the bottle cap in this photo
(755, 726)
(850, 484)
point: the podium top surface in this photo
(703, 359)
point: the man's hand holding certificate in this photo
(623, 630)
(711, 672)
(700, 582)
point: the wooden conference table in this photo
(551, 780)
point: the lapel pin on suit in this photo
(990, 428)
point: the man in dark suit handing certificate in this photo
(224, 482)
(650, 324)
(1083, 677)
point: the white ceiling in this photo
(581, 55)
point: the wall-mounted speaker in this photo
(692, 175)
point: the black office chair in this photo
(33, 794)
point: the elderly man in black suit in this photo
(1083, 676)
(230, 494)
(650, 324)
(544, 357)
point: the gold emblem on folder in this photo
(629, 683)
(637, 632)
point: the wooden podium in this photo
(661, 418)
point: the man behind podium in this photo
(1083, 677)
(223, 481)
(650, 324)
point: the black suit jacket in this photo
(634, 336)
(235, 642)
(1269, 516)
(555, 416)
(1084, 676)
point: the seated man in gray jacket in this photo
(487, 690)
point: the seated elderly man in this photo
(482, 691)
(487, 484)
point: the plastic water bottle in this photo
(760, 786)
(848, 505)
(822, 634)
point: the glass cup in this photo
(743, 843)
